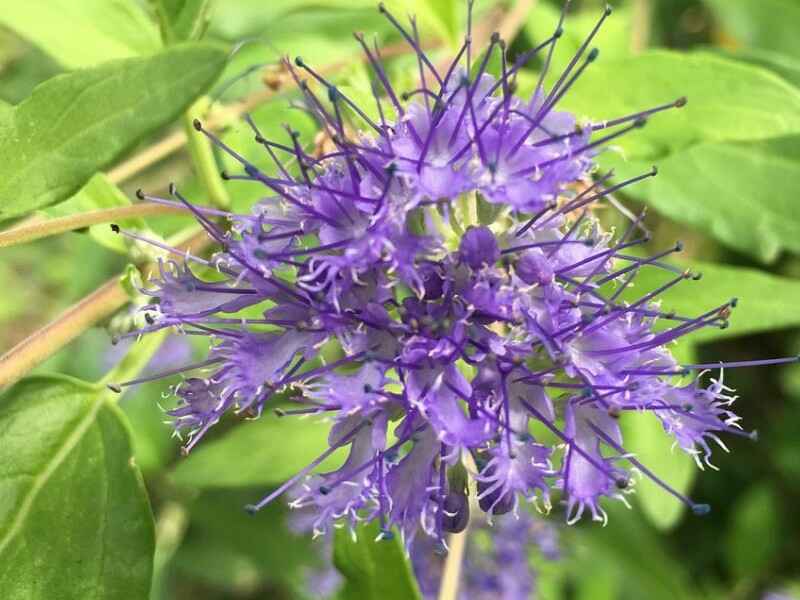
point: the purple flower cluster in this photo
(496, 560)
(447, 259)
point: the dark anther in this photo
(701, 509)
(387, 535)
(324, 490)
(114, 388)
(298, 60)
(115, 228)
(259, 139)
(381, 7)
(734, 302)
(654, 171)
(697, 277)
(391, 169)
(172, 189)
(688, 407)
(622, 483)
(140, 194)
(609, 9)
(197, 124)
(149, 318)
(640, 122)
(250, 509)
(681, 102)
(679, 246)
(367, 388)
(495, 37)
(614, 412)
(224, 175)
(333, 93)
(279, 412)
(404, 96)
(114, 340)
(593, 54)
(558, 33)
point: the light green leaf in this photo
(182, 19)
(645, 437)
(742, 194)
(74, 516)
(765, 302)
(373, 569)
(613, 39)
(787, 67)
(83, 33)
(76, 124)
(760, 23)
(728, 100)
(756, 512)
(276, 449)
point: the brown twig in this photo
(95, 307)
(35, 230)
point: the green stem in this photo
(203, 156)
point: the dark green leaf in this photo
(373, 569)
(75, 521)
(266, 451)
(182, 19)
(76, 124)
(728, 100)
(231, 549)
(84, 33)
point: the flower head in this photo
(449, 257)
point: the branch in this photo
(35, 229)
(95, 307)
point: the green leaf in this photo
(760, 23)
(76, 124)
(755, 513)
(84, 33)
(613, 39)
(787, 67)
(373, 569)
(765, 302)
(645, 437)
(182, 19)
(74, 516)
(285, 446)
(742, 194)
(728, 100)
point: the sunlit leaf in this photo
(76, 124)
(728, 100)
(83, 33)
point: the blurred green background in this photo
(729, 187)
